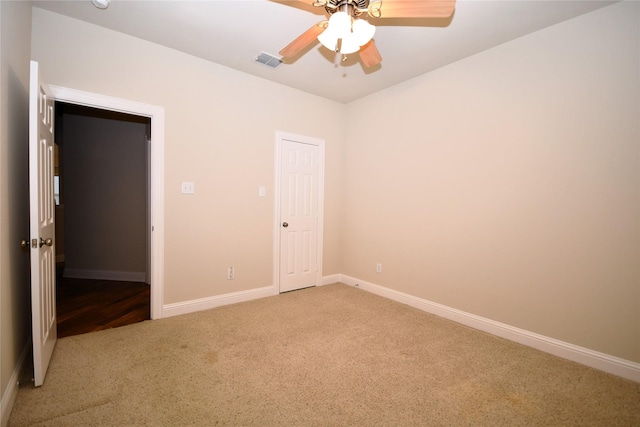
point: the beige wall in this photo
(220, 134)
(506, 185)
(15, 36)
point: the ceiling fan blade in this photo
(412, 8)
(369, 54)
(304, 40)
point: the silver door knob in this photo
(48, 242)
(285, 224)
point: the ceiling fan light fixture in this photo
(363, 31)
(328, 39)
(352, 32)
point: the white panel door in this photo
(42, 227)
(299, 215)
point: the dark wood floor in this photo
(85, 305)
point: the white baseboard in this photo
(10, 393)
(200, 304)
(185, 307)
(601, 361)
(120, 276)
(334, 278)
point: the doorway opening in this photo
(103, 232)
(156, 171)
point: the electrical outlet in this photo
(230, 273)
(379, 268)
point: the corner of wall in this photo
(15, 52)
(594, 359)
(10, 393)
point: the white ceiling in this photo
(234, 32)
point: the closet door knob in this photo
(48, 242)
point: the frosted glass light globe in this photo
(340, 24)
(349, 44)
(328, 39)
(363, 31)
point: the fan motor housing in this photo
(354, 7)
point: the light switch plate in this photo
(188, 187)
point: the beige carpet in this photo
(332, 355)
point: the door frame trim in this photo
(156, 226)
(286, 136)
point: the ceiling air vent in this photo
(268, 60)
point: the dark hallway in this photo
(102, 170)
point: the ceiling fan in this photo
(346, 31)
